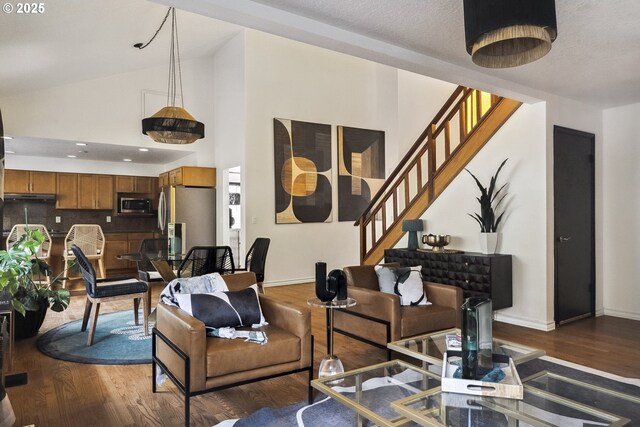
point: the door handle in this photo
(564, 239)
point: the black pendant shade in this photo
(508, 33)
(173, 125)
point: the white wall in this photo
(291, 80)
(621, 204)
(110, 110)
(229, 105)
(523, 141)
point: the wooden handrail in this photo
(410, 152)
(468, 105)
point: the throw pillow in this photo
(204, 284)
(224, 309)
(403, 281)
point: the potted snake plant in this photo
(490, 199)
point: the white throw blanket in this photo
(204, 284)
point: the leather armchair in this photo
(198, 364)
(378, 318)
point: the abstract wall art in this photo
(302, 156)
(360, 169)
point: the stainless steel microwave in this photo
(133, 205)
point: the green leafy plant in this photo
(489, 200)
(19, 265)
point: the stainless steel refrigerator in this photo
(193, 206)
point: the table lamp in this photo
(412, 226)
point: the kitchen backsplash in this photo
(45, 213)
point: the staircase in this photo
(461, 128)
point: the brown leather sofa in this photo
(378, 318)
(198, 364)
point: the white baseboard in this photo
(518, 321)
(621, 313)
(289, 282)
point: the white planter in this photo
(488, 243)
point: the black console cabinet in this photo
(478, 275)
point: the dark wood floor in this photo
(71, 394)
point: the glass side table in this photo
(331, 364)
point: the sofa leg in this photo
(310, 397)
(388, 354)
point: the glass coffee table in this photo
(578, 405)
(369, 391)
(430, 348)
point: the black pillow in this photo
(224, 309)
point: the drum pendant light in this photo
(172, 124)
(509, 33)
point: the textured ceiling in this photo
(595, 58)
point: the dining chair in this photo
(256, 259)
(101, 290)
(207, 259)
(90, 239)
(44, 251)
(150, 249)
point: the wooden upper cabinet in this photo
(43, 182)
(25, 182)
(67, 191)
(95, 191)
(135, 184)
(104, 192)
(125, 184)
(192, 176)
(163, 180)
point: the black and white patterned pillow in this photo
(403, 281)
(224, 309)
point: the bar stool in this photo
(44, 252)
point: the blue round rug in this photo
(117, 341)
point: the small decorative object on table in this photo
(477, 340)
(436, 241)
(412, 226)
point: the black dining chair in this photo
(257, 258)
(207, 259)
(103, 290)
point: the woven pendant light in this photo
(172, 124)
(509, 33)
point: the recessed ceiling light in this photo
(81, 144)
(126, 160)
(143, 149)
(10, 152)
(71, 156)
(7, 137)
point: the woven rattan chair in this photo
(44, 252)
(207, 259)
(90, 239)
(99, 291)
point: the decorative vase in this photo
(488, 243)
(27, 326)
(477, 338)
(326, 290)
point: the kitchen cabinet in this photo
(67, 191)
(115, 244)
(135, 184)
(29, 182)
(192, 176)
(163, 180)
(95, 191)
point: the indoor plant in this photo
(21, 277)
(490, 198)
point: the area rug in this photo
(325, 411)
(117, 341)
